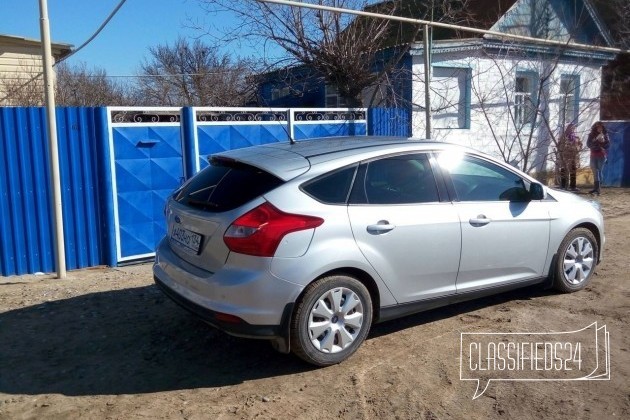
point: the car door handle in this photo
(480, 220)
(383, 226)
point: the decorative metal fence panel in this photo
(330, 122)
(26, 222)
(146, 166)
(219, 129)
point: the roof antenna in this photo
(288, 113)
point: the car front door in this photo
(505, 236)
(410, 237)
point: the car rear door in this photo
(410, 237)
(505, 236)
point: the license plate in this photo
(188, 240)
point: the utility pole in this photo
(60, 251)
(427, 81)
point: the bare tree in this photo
(79, 86)
(345, 51)
(525, 116)
(511, 99)
(24, 87)
(194, 74)
(74, 86)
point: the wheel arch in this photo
(554, 256)
(596, 233)
(361, 276)
(558, 274)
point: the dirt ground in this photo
(106, 344)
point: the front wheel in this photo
(577, 258)
(331, 320)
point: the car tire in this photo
(576, 260)
(331, 320)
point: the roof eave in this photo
(59, 49)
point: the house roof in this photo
(59, 50)
(478, 14)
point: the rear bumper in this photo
(244, 302)
(241, 329)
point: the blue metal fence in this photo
(26, 230)
(617, 168)
(112, 160)
(389, 122)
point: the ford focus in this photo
(309, 244)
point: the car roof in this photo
(287, 160)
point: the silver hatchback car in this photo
(308, 244)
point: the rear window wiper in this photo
(206, 205)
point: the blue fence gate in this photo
(146, 166)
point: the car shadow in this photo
(136, 341)
(125, 342)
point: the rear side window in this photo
(224, 186)
(332, 188)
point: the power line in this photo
(144, 76)
(501, 35)
(95, 34)
(73, 52)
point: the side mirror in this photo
(536, 191)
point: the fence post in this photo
(190, 149)
(290, 122)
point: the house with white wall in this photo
(513, 98)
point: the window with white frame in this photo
(333, 99)
(569, 99)
(450, 97)
(525, 98)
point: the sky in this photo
(123, 44)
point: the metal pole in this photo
(60, 252)
(427, 81)
(500, 35)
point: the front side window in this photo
(524, 98)
(476, 179)
(395, 180)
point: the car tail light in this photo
(259, 231)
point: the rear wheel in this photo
(331, 320)
(577, 258)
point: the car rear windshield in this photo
(226, 185)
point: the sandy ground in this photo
(106, 344)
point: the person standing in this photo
(569, 148)
(598, 142)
